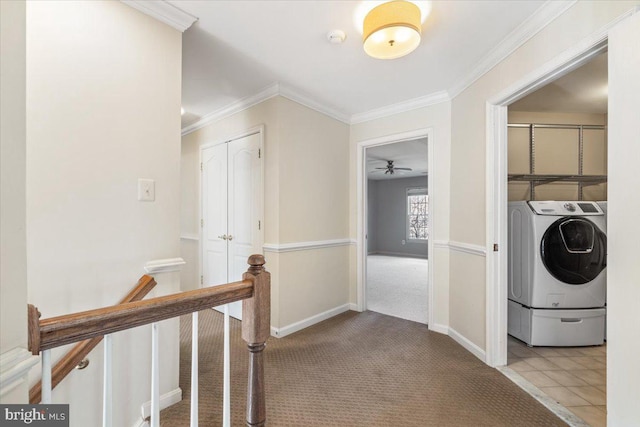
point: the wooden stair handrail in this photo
(254, 290)
(57, 331)
(74, 356)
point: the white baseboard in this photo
(353, 307)
(441, 329)
(400, 254)
(471, 347)
(166, 400)
(297, 326)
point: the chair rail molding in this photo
(15, 365)
(189, 236)
(164, 265)
(467, 248)
(305, 246)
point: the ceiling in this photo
(584, 90)
(406, 154)
(237, 49)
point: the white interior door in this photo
(244, 202)
(214, 216)
(232, 211)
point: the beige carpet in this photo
(398, 286)
(356, 369)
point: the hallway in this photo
(356, 369)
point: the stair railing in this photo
(80, 351)
(254, 291)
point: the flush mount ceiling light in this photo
(392, 30)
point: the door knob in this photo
(230, 237)
(223, 237)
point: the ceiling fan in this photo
(390, 168)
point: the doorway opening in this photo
(572, 376)
(557, 151)
(397, 229)
(394, 225)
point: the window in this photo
(417, 214)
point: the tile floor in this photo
(576, 377)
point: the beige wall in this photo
(103, 102)
(306, 200)
(314, 169)
(13, 261)
(468, 175)
(556, 152)
(437, 117)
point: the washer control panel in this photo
(565, 208)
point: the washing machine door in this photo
(574, 250)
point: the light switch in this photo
(146, 190)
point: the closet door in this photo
(232, 211)
(244, 197)
(214, 216)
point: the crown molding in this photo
(276, 89)
(542, 17)
(534, 24)
(164, 12)
(233, 108)
(308, 101)
(401, 107)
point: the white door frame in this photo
(496, 180)
(361, 243)
(248, 132)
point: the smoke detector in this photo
(336, 36)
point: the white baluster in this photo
(107, 396)
(46, 376)
(226, 394)
(155, 378)
(194, 369)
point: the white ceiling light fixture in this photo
(392, 30)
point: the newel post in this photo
(256, 328)
(33, 329)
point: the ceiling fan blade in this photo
(403, 169)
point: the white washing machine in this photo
(557, 277)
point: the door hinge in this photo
(259, 225)
(202, 280)
(202, 223)
(495, 247)
(259, 153)
(201, 167)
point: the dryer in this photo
(557, 277)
